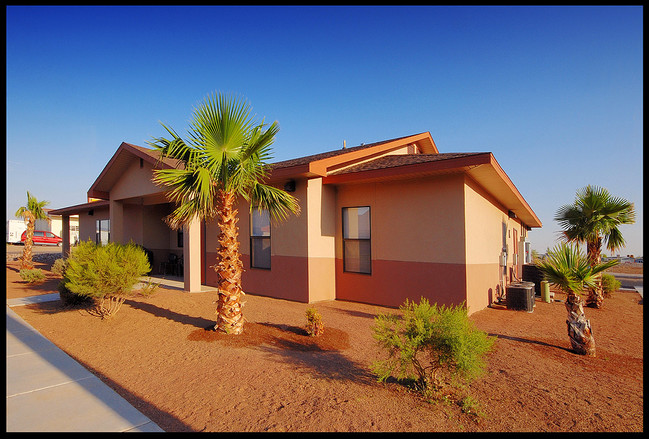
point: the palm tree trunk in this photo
(594, 252)
(579, 331)
(229, 269)
(26, 262)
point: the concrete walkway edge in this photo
(48, 391)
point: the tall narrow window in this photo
(357, 254)
(260, 239)
(102, 235)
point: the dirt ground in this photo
(157, 354)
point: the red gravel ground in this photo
(157, 354)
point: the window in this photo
(180, 237)
(49, 234)
(357, 255)
(39, 234)
(260, 239)
(102, 234)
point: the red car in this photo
(42, 237)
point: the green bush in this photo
(70, 299)
(610, 284)
(33, 275)
(58, 267)
(105, 273)
(314, 325)
(433, 346)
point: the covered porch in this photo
(175, 255)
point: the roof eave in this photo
(79, 208)
(93, 192)
(483, 168)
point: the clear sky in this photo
(555, 93)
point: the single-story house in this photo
(379, 223)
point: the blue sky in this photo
(555, 93)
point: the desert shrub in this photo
(471, 406)
(148, 288)
(105, 273)
(58, 267)
(314, 324)
(431, 346)
(610, 284)
(32, 275)
(68, 298)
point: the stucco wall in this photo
(135, 181)
(87, 223)
(488, 228)
(321, 244)
(288, 276)
(417, 241)
(485, 218)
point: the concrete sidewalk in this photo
(48, 391)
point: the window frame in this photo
(369, 240)
(98, 231)
(261, 238)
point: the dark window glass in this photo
(357, 254)
(260, 239)
(102, 234)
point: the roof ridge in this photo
(332, 153)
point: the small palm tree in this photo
(593, 218)
(223, 160)
(31, 212)
(569, 270)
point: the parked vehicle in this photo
(43, 238)
(14, 229)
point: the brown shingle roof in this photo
(155, 155)
(392, 161)
(311, 158)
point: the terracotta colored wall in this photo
(417, 241)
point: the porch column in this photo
(65, 235)
(116, 217)
(192, 256)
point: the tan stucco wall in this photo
(486, 221)
(133, 227)
(484, 243)
(135, 182)
(87, 223)
(156, 234)
(321, 244)
(417, 241)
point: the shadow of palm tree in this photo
(316, 354)
(198, 322)
(360, 314)
(525, 340)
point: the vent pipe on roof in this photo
(344, 144)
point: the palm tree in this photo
(223, 160)
(31, 212)
(569, 270)
(594, 217)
